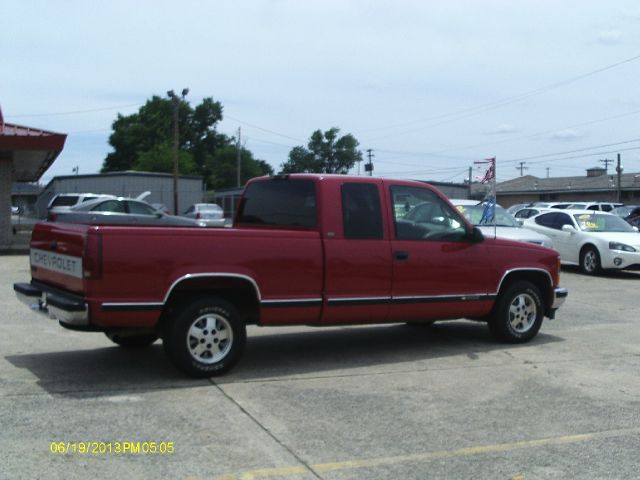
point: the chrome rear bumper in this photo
(65, 308)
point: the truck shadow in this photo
(270, 354)
(388, 348)
(103, 371)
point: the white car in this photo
(62, 202)
(506, 226)
(206, 214)
(593, 240)
(604, 206)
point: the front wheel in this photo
(590, 261)
(206, 338)
(518, 313)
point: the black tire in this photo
(518, 313)
(590, 261)
(132, 341)
(206, 338)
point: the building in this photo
(597, 185)
(25, 154)
(127, 184)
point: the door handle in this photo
(401, 255)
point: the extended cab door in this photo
(357, 253)
(439, 270)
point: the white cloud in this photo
(609, 37)
(502, 129)
(567, 135)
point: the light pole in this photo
(175, 100)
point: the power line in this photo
(467, 112)
(74, 112)
(534, 157)
(535, 135)
(264, 129)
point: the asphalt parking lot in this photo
(384, 402)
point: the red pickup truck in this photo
(304, 250)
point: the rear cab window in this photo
(288, 203)
(361, 211)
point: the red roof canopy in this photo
(32, 150)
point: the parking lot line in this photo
(425, 456)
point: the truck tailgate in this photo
(56, 254)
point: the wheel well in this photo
(588, 245)
(539, 278)
(237, 291)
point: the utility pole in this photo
(470, 180)
(606, 162)
(369, 166)
(522, 168)
(175, 100)
(238, 158)
(619, 186)
(548, 168)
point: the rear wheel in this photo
(590, 261)
(206, 338)
(132, 341)
(518, 313)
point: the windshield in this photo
(593, 222)
(473, 213)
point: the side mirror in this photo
(520, 222)
(476, 235)
(568, 229)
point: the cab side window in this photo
(361, 212)
(420, 214)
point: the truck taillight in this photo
(92, 257)
(556, 277)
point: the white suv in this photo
(602, 206)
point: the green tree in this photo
(225, 170)
(143, 141)
(160, 159)
(325, 153)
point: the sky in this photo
(548, 88)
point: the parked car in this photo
(629, 213)
(506, 225)
(208, 214)
(518, 206)
(64, 201)
(527, 212)
(592, 240)
(162, 207)
(601, 206)
(558, 205)
(118, 211)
